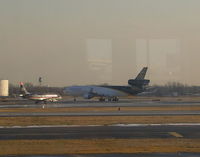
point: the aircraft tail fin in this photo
(140, 80)
(23, 89)
(142, 74)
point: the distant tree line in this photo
(176, 89)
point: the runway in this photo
(92, 103)
(95, 104)
(113, 113)
(101, 132)
(115, 132)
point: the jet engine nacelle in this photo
(138, 83)
(88, 96)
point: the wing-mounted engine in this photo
(52, 100)
(90, 94)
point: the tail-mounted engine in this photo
(138, 83)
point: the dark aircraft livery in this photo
(135, 86)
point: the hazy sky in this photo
(48, 38)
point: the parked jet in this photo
(38, 97)
(137, 85)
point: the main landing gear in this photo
(102, 99)
(115, 99)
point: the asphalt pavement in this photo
(101, 132)
(92, 103)
(99, 113)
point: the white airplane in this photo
(38, 97)
(137, 85)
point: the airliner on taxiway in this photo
(38, 97)
(137, 85)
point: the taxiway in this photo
(101, 132)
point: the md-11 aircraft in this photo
(38, 97)
(112, 93)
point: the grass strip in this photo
(96, 120)
(47, 147)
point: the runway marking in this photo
(175, 134)
(166, 124)
(117, 125)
